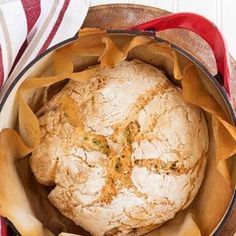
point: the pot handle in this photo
(205, 29)
(3, 227)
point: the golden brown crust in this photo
(124, 150)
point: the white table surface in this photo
(221, 12)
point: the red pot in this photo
(218, 84)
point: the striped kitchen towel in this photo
(29, 27)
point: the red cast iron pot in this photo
(220, 82)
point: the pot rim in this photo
(9, 85)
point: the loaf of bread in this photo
(123, 151)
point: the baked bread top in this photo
(123, 149)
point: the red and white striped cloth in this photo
(29, 27)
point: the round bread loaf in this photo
(123, 150)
